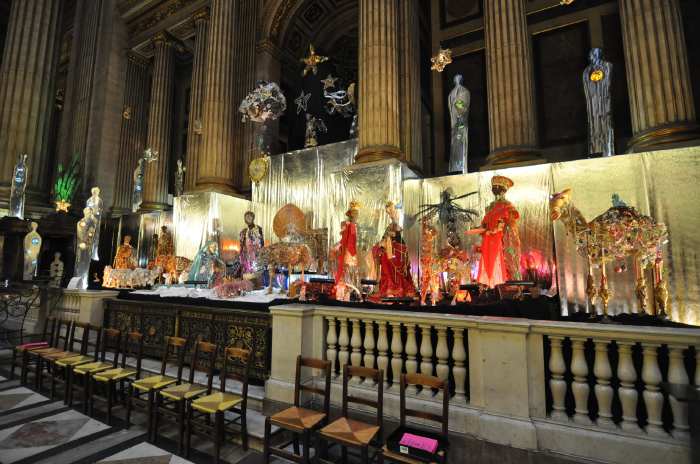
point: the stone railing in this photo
(586, 390)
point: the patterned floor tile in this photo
(22, 441)
(144, 453)
(19, 397)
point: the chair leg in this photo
(110, 385)
(37, 374)
(157, 401)
(306, 450)
(218, 435)
(244, 432)
(295, 443)
(91, 399)
(14, 360)
(365, 455)
(188, 432)
(181, 425)
(86, 391)
(129, 405)
(53, 371)
(344, 455)
(266, 443)
(149, 412)
(67, 387)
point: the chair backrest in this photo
(299, 388)
(80, 334)
(174, 350)
(237, 362)
(375, 374)
(203, 360)
(48, 331)
(426, 381)
(111, 341)
(64, 334)
(133, 347)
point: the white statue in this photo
(19, 184)
(180, 178)
(95, 202)
(458, 103)
(137, 194)
(85, 237)
(56, 270)
(597, 79)
(32, 246)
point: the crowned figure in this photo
(500, 239)
(252, 242)
(347, 271)
(124, 257)
(391, 254)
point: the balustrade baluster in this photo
(579, 387)
(343, 341)
(369, 349)
(426, 357)
(678, 375)
(382, 348)
(331, 340)
(442, 370)
(459, 354)
(411, 352)
(396, 355)
(628, 395)
(653, 398)
(557, 383)
(697, 365)
(603, 390)
(356, 343)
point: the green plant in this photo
(66, 181)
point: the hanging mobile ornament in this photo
(312, 61)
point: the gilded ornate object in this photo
(328, 82)
(126, 113)
(312, 61)
(258, 169)
(442, 59)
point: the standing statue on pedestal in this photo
(85, 237)
(19, 184)
(32, 246)
(500, 239)
(596, 84)
(95, 202)
(137, 194)
(313, 124)
(179, 178)
(252, 242)
(458, 103)
(56, 270)
(347, 276)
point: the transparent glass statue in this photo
(19, 184)
(597, 78)
(85, 237)
(458, 102)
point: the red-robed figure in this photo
(500, 240)
(347, 272)
(391, 254)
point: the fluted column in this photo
(378, 106)
(509, 75)
(409, 82)
(134, 126)
(216, 158)
(661, 96)
(199, 71)
(155, 186)
(27, 77)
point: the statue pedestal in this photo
(12, 232)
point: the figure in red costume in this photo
(391, 254)
(347, 273)
(500, 240)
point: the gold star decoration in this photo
(312, 61)
(329, 82)
(442, 59)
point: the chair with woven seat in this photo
(172, 402)
(110, 342)
(42, 340)
(237, 363)
(142, 391)
(299, 420)
(351, 433)
(392, 451)
(108, 380)
(32, 361)
(58, 364)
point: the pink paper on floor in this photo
(423, 443)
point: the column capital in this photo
(201, 15)
(137, 58)
(163, 38)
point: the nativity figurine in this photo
(251, 241)
(347, 275)
(391, 257)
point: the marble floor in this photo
(144, 453)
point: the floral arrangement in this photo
(66, 183)
(265, 103)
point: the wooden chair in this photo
(34, 362)
(298, 420)
(58, 364)
(237, 362)
(350, 433)
(42, 340)
(109, 379)
(110, 341)
(172, 402)
(440, 455)
(142, 391)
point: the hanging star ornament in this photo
(329, 82)
(442, 59)
(302, 101)
(312, 61)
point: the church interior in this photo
(323, 231)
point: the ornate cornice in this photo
(281, 13)
(158, 14)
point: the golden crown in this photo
(502, 181)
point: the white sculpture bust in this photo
(56, 270)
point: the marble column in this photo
(216, 158)
(132, 140)
(661, 96)
(199, 71)
(27, 78)
(409, 82)
(378, 105)
(155, 185)
(509, 75)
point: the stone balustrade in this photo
(586, 390)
